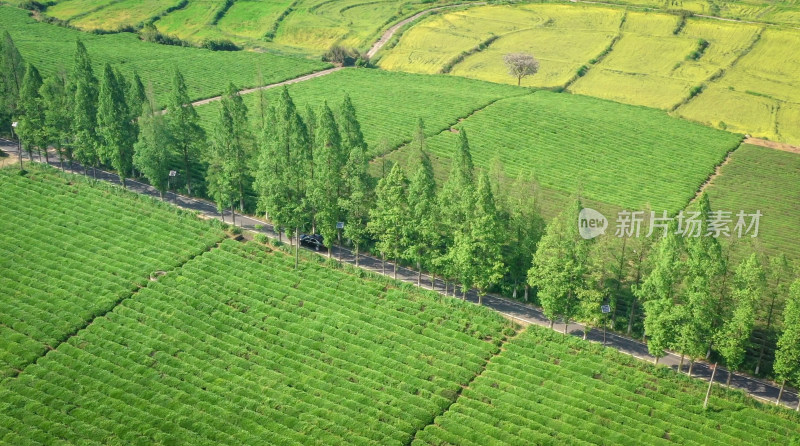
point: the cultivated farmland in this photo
(238, 346)
(546, 388)
(388, 104)
(760, 94)
(71, 252)
(207, 73)
(631, 157)
(758, 178)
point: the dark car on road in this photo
(314, 242)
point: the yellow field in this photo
(251, 19)
(760, 95)
(651, 66)
(736, 111)
(562, 37)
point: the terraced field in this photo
(65, 259)
(760, 94)
(238, 346)
(627, 156)
(546, 388)
(207, 73)
(109, 14)
(388, 104)
(563, 37)
(762, 179)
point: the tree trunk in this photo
(480, 297)
(46, 157)
(297, 247)
(728, 381)
(630, 317)
(161, 195)
(585, 332)
(766, 332)
(680, 366)
(514, 294)
(655, 361)
(122, 180)
(186, 168)
(433, 281)
(566, 326)
(233, 214)
(527, 289)
(691, 366)
(395, 268)
(383, 264)
(419, 274)
(356, 254)
(780, 393)
(551, 324)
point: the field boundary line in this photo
(500, 350)
(752, 386)
(717, 172)
(720, 73)
(599, 59)
(114, 306)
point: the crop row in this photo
(573, 142)
(65, 261)
(550, 389)
(237, 346)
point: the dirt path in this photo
(391, 31)
(773, 145)
(714, 175)
(278, 84)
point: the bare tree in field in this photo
(521, 65)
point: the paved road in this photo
(517, 311)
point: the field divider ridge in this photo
(597, 60)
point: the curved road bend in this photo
(522, 313)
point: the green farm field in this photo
(762, 179)
(51, 48)
(74, 252)
(388, 104)
(546, 388)
(625, 156)
(238, 346)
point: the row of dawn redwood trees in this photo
(309, 171)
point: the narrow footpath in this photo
(521, 313)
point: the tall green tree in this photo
(230, 152)
(778, 283)
(477, 251)
(151, 151)
(423, 234)
(57, 116)
(84, 84)
(734, 338)
(351, 129)
(328, 182)
(114, 125)
(188, 138)
(659, 293)
(284, 164)
(525, 228)
(12, 71)
(31, 113)
(454, 202)
(358, 200)
(389, 216)
(787, 357)
(559, 266)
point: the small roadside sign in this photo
(605, 309)
(14, 124)
(173, 173)
(339, 225)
